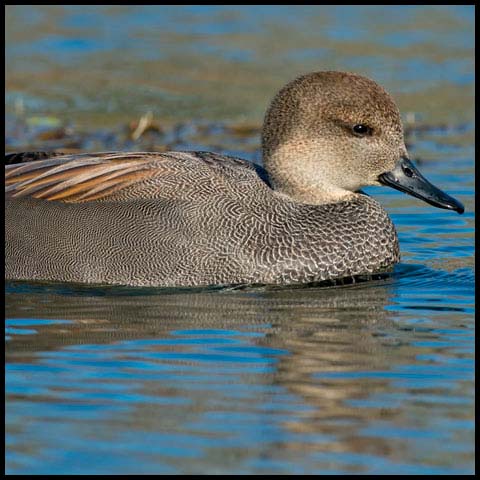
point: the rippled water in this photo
(375, 377)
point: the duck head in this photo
(328, 134)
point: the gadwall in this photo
(199, 218)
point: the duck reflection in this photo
(320, 345)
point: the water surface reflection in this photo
(284, 381)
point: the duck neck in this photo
(298, 176)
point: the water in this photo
(368, 378)
(103, 63)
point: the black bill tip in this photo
(406, 178)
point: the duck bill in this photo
(406, 178)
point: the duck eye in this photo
(361, 129)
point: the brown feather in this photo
(73, 178)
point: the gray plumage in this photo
(199, 218)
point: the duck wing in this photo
(120, 176)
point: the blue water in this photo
(370, 378)
(224, 62)
(367, 379)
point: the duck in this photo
(196, 218)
